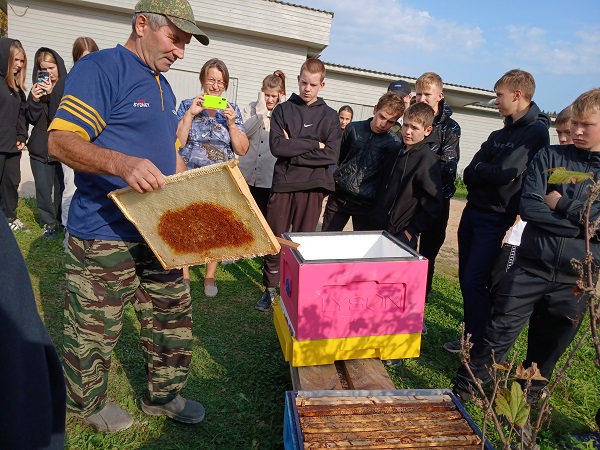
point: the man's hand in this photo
(552, 199)
(20, 145)
(408, 235)
(141, 174)
(321, 145)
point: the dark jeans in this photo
(338, 210)
(261, 197)
(554, 316)
(10, 177)
(480, 235)
(49, 186)
(298, 210)
(432, 240)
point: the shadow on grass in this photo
(237, 373)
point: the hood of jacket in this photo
(444, 112)
(295, 98)
(59, 87)
(534, 113)
(4, 55)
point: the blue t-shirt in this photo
(114, 100)
(209, 141)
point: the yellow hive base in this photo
(326, 351)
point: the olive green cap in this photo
(177, 11)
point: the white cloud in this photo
(393, 24)
(578, 56)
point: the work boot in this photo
(179, 409)
(111, 418)
(452, 346)
(266, 302)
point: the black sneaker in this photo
(452, 346)
(266, 302)
(49, 231)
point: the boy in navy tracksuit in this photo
(494, 178)
(539, 288)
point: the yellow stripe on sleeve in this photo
(177, 144)
(81, 117)
(84, 108)
(64, 125)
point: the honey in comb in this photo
(203, 226)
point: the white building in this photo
(254, 38)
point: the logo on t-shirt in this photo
(141, 104)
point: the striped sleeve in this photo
(86, 101)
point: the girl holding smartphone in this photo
(49, 74)
(210, 136)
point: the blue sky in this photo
(472, 43)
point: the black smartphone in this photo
(43, 75)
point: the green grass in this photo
(238, 372)
(461, 188)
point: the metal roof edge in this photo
(391, 76)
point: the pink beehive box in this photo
(339, 285)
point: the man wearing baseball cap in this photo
(116, 126)
(403, 89)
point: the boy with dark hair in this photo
(446, 136)
(409, 198)
(365, 145)
(539, 287)
(493, 180)
(305, 137)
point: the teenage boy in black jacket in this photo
(305, 137)
(493, 180)
(446, 136)
(409, 198)
(365, 145)
(539, 287)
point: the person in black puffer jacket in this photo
(364, 147)
(493, 179)
(42, 104)
(445, 138)
(539, 288)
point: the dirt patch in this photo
(446, 263)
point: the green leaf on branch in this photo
(511, 403)
(563, 176)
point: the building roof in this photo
(301, 6)
(388, 75)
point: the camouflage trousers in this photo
(101, 277)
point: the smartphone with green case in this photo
(214, 102)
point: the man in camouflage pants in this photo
(116, 127)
